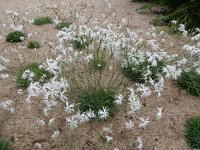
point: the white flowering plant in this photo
(32, 73)
(86, 75)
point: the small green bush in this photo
(192, 132)
(185, 12)
(4, 145)
(96, 99)
(33, 44)
(190, 81)
(15, 36)
(160, 21)
(43, 20)
(136, 72)
(40, 75)
(62, 25)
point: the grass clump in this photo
(16, 36)
(98, 64)
(62, 25)
(33, 44)
(4, 145)
(192, 132)
(136, 72)
(43, 20)
(32, 72)
(96, 99)
(80, 43)
(190, 81)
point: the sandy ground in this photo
(21, 128)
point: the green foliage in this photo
(161, 20)
(186, 12)
(173, 4)
(80, 43)
(40, 75)
(192, 132)
(98, 64)
(96, 99)
(33, 44)
(15, 36)
(4, 145)
(136, 72)
(190, 81)
(62, 25)
(43, 20)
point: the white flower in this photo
(20, 91)
(181, 27)
(108, 138)
(144, 90)
(4, 76)
(143, 122)
(90, 114)
(34, 89)
(154, 63)
(134, 103)
(108, 130)
(5, 59)
(103, 114)
(139, 142)
(198, 70)
(119, 99)
(2, 68)
(173, 21)
(41, 122)
(51, 121)
(73, 123)
(22, 38)
(16, 14)
(162, 32)
(8, 11)
(69, 108)
(159, 86)
(27, 74)
(6, 105)
(129, 125)
(29, 35)
(55, 135)
(159, 113)
(38, 145)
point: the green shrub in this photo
(187, 14)
(192, 132)
(190, 81)
(62, 25)
(40, 75)
(43, 20)
(173, 3)
(160, 21)
(96, 99)
(4, 145)
(136, 72)
(33, 44)
(15, 36)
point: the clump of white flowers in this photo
(7, 105)
(144, 59)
